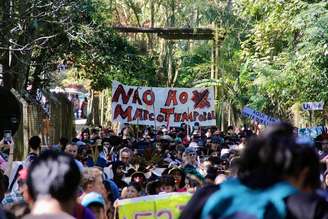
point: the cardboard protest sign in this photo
(153, 206)
(163, 106)
(312, 106)
(258, 116)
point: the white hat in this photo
(224, 151)
(193, 145)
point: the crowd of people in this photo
(232, 174)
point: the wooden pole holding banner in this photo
(102, 106)
(189, 127)
(138, 128)
(154, 109)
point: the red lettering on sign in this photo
(177, 117)
(138, 115)
(121, 92)
(146, 114)
(205, 116)
(190, 117)
(209, 116)
(136, 97)
(195, 115)
(146, 95)
(160, 118)
(201, 99)
(167, 113)
(184, 117)
(213, 115)
(124, 114)
(183, 97)
(171, 97)
(187, 117)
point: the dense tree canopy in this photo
(275, 52)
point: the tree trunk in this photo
(170, 44)
(152, 24)
(162, 68)
(170, 68)
(229, 6)
(95, 110)
(108, 108)
(94, 116)
(102, 106)
(90, 109)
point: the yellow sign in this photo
(164, 206)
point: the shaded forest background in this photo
(274, 55)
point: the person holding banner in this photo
(133, 190)
(167, 184)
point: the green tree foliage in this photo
(39, 35)
(274, 54)
(285, 54)
(102, 55)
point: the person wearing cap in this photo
(163, 144)
(190, 157)
(96, 203)
(165, 130)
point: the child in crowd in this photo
(167, 184)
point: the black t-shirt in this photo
(307, 206)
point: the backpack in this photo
(235, 200)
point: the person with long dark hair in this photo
(276, 174)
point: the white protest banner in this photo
(163, 106)
(258, 116)
(168, 205)
(312, 106)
